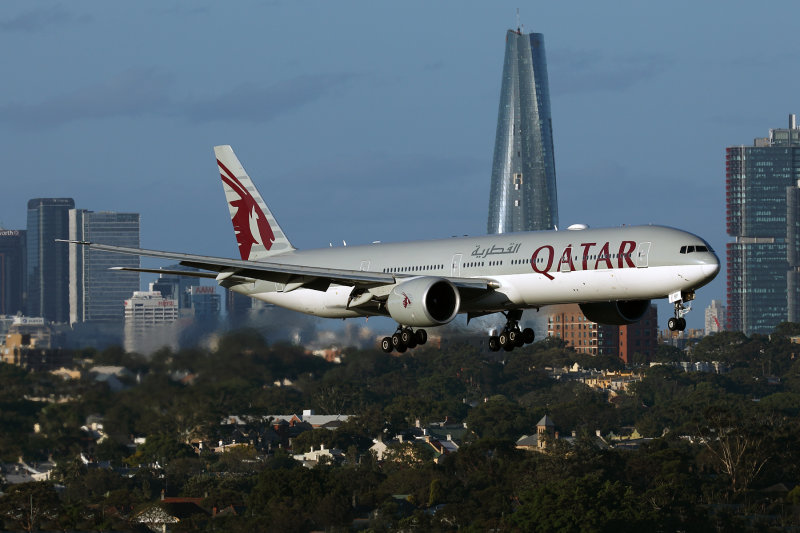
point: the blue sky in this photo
(364, 121)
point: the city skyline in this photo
(130, 128)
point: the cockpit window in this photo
(691, 249)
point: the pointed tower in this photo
(523, 190)
(545, 429)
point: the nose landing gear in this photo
(403, 339)
(678, 323)
(512, 336)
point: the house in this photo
(313, 458)
(545, 430)
(441, 447)
(111, 375)
(22, 472)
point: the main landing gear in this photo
(678, 323)
(403, 339)
(511, 337)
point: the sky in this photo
(362, 121)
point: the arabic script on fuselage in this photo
(494, 249)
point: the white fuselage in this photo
(528, 270)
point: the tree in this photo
(159, 448)
(29, 505)
(737, 442)
(499, 418)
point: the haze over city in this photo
(364, 122)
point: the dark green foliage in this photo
(682, 480)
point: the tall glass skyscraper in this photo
(12, 271)
(48, 261)
(763, 217)
(96, 293)
(523, 193)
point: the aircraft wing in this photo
(238, 270)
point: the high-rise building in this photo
(763, 217)
(96, 293)
(48, 260)
(237, 306)
(206, 303)
(715, 317)
(12, 271)
(148, 320)
(177, 287)
(637, 341)
(523, 189)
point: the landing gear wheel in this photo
(397, 342)
(494, 343)
(512, 336)
(386, 344)
(405, 336)
(678, 323)
(503, 339)
(519, 341)
(402, 348)
(528, 335)
(421, 336)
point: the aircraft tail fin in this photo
(257, 231)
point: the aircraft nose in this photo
(711, 268)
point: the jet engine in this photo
(617, 313)
(423, 302)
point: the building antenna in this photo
(519, 26)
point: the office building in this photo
(635, 342)
(176, 287)
(523, 187)
(205, 302)
(149, 318)
(715, 317)
(763, 198)
(96, 293)
(12, 271)
(237, 306)
(47, 260)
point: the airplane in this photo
(612, 273)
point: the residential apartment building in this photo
(763, 217)
(568, 322)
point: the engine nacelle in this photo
(617, 313)
(425, 301)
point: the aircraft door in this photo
(455, 271)
(642, 251)
(364, 266)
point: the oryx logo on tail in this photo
(249, 222)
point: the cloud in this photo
(131, 93)
(577, 71)
(40, 18)
(251, 102)
(148, 92)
